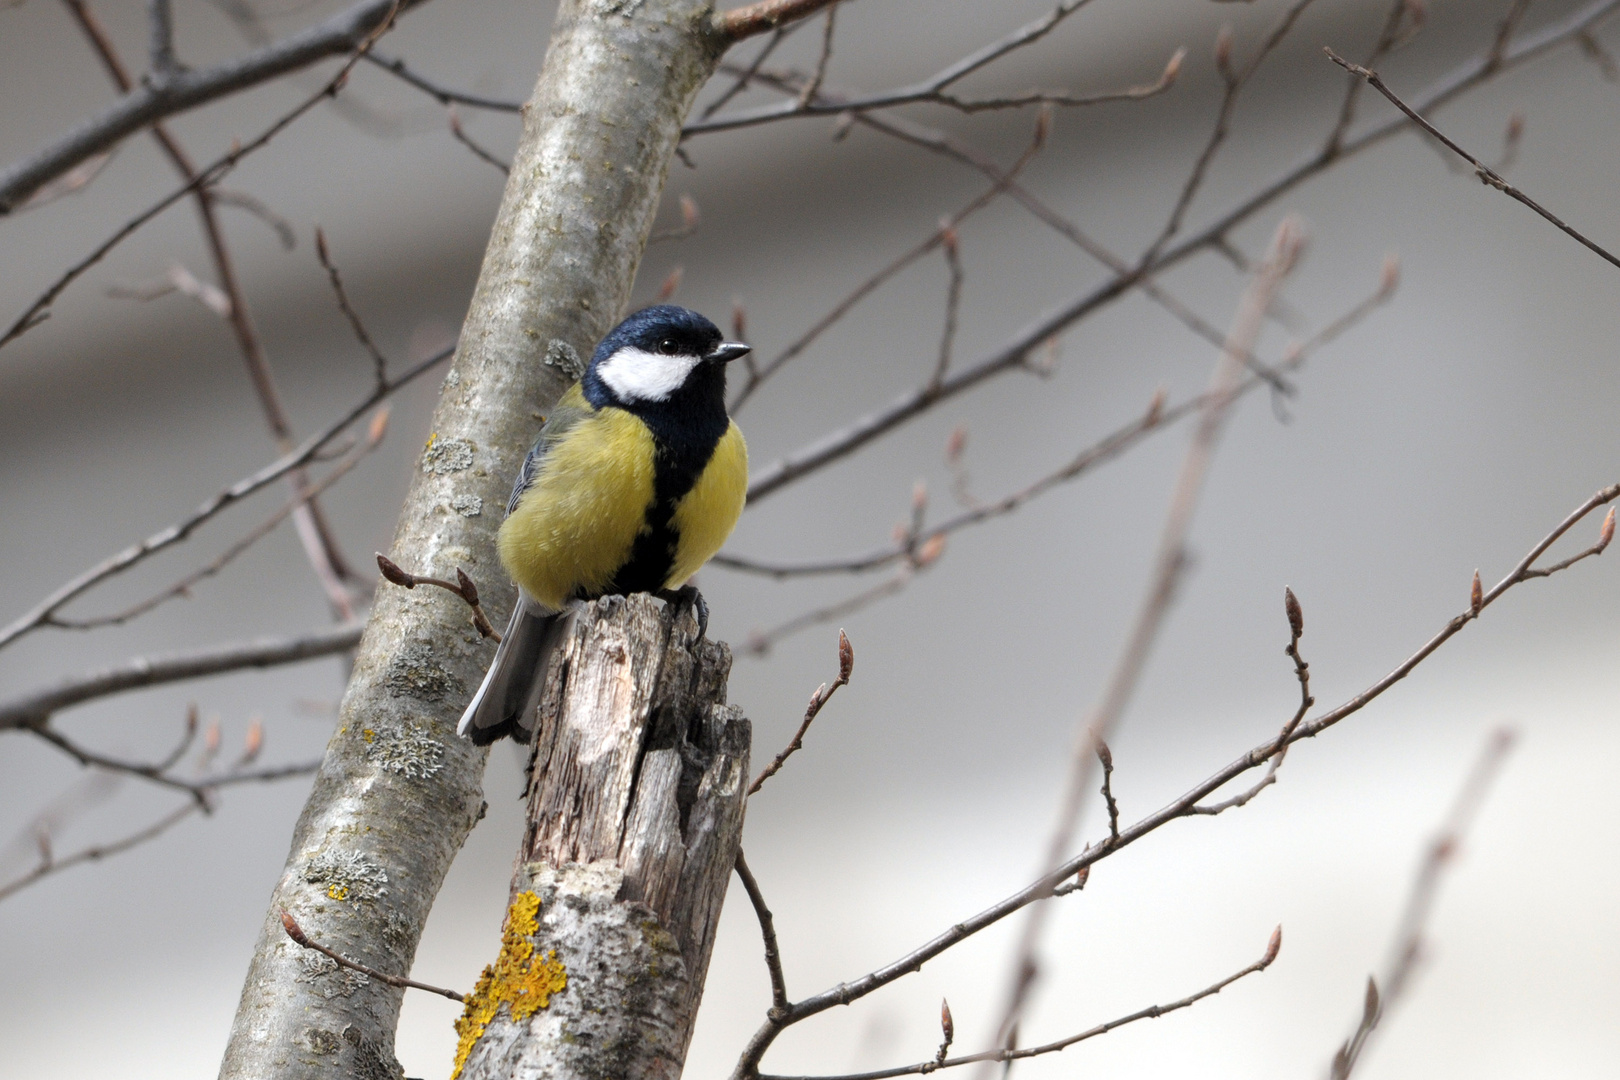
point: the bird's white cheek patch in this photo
(636, 375)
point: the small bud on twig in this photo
(392, 572)
(294, 931)
(947, 237)
(1476, 596)
(931, 550)
(739, 320)
(1173, 68)
(919, 496)
(1105, 755)
(1606, 533)
(947, 1028)
(1390, 277)
(846, 658)
(1272, 948)
(378, 427)
(1369, 1007)
(666, 291)
(689, 213)
(1296, 615)
(955, 444)
(253, 743)
(469, 591)
(1155, 410)
(1043, 124)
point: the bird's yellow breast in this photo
(575, 526)
(708, 513)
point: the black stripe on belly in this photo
(682, 452)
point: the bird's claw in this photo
(688, 598)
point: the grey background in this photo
(1448, 431)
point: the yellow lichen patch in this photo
(337, 892)
(519, 979)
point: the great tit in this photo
(636, 480)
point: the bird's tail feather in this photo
(506, 701)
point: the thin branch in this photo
(315, 535)
(746, 76)
(756, 377)
(147, 102)
(36, 707)
(1182, 807)
(379, 362)
(466, 140)
(1169, 564)
(1009, 1055)
(1157, 417)
(1011, 355)
(1235, 82)
(183, 587)
(296, 932)
(161, 50)
(50, 865)
(953, 303)
(808, 94)
(463, 587)
(44, 613)
(200, 790)
(39, 311)
(443, 94)
(933, 90)
(824, 693)
(1106, 756)
(767, 931)
(1407, 946)
(745, 22)
(1487, 175)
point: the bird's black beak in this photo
(727, 351)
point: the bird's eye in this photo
(667, 346)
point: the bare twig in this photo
(689, 225)
(1407, 946)
(1106, 756)
(756, 18)
(808, 94)
(316, 537)
(1169, 563)
(1487, 175)
(147, 102)
(463, 587)
(934, 89)
(466, 140)
(1182, 807)
(379, 362)
(161, 49)
(953, 302)
(444, 95)
(49, 865)
(39, 310)
(183, 587)
(296, 932)
(34, 708)
(767, 931)
(824, 693)
(44, 613)
(1011, 354)
(746, 76)
(1157, 417)
(1010, 1054)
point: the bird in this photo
(637, 478)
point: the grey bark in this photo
(397, 791)
(636, 806)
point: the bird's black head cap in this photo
(663, 359)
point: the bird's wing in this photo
(571, 409)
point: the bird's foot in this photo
(687, 598)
